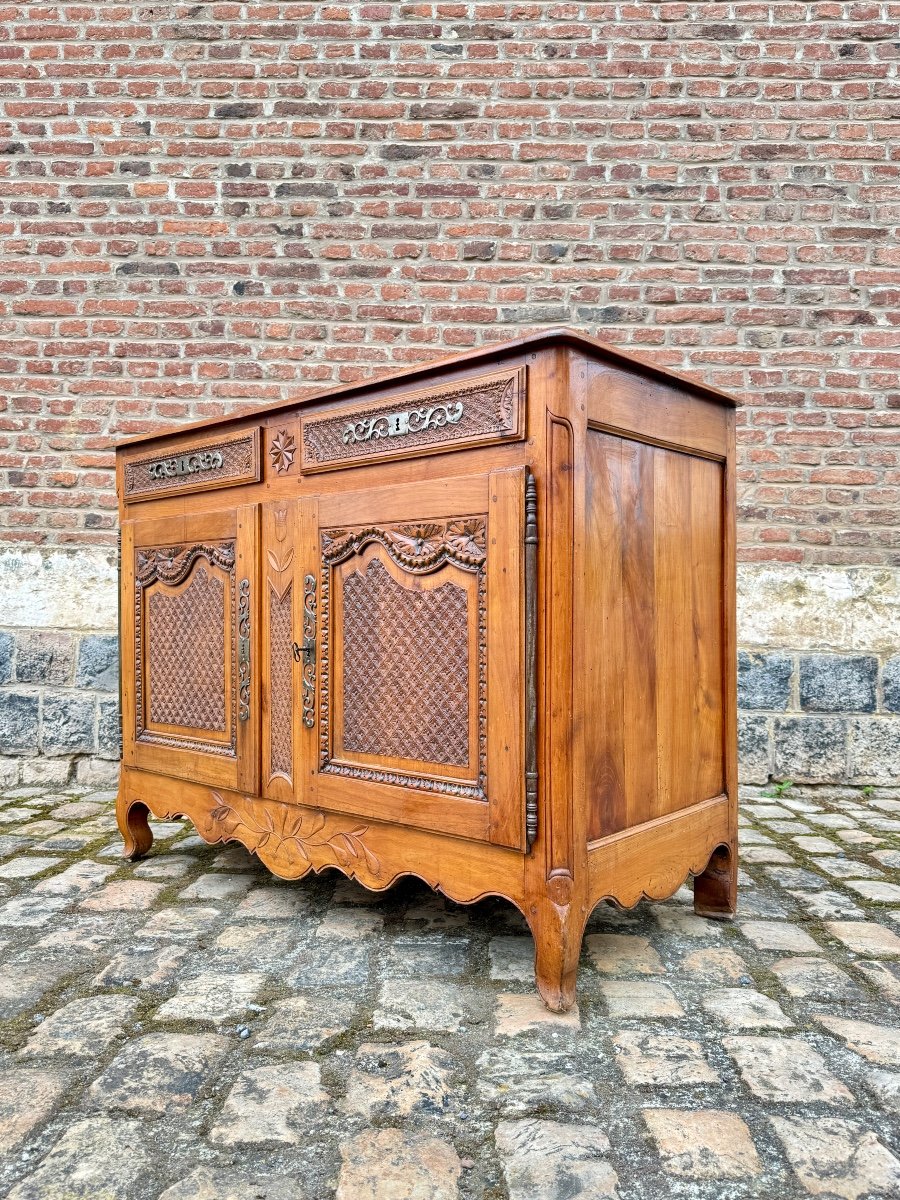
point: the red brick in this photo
(200, 211)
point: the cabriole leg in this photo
(134, 827)
(715, 891)
(557, 933)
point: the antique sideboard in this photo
(472, 622)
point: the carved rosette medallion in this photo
(485, 409)
(282, 451)
(427, 654)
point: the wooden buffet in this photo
(473, 622)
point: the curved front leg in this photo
(715, 891)
(134, 827)
(557, 931)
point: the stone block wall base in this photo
(818, 672)
(819, 675)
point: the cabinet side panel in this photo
(708, 607)
(605, 643)
(654, 575)
(640, 692)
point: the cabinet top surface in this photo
(545, 339)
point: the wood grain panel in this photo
(674, 633)
(652, 860)
(605, 664)
(654, 580)
(662, 413)
(505, 658)
(709, 618)
(639, 610)
(559, 669)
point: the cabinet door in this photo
(190, 686)
(413, 683)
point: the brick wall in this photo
(207, 206)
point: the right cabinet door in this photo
(413, 683)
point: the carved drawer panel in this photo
(488, 408)
(222, 462)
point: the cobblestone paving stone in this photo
(189, 1028)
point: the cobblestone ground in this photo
(188, 1027)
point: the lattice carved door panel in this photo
(418, 677)
(189, 695)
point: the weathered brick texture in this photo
(207, 205)
(204, 206)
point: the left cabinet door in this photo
(190, 673)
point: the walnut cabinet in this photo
(472, 622)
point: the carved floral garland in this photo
(170, 564)
(281, 830)
(419, 547)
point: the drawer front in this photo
(484, 409)
(221, 462)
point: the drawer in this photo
(447, 416)
(223, 461)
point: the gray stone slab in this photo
(223, 1183)
(81, 1029)
(28, 1095)
(88, 1163)
(519, 1080)
(398, 1082)
(271, 1106)
(304, 1023)
(147, 967)
(159, 1073)
(213, 996)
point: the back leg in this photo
(715, 891)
